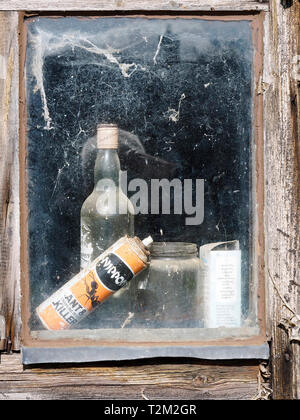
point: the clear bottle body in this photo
(107, 214)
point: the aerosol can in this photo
(107, 274)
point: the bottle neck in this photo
(107, 166)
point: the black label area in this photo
(113, 272)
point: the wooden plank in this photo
(9, 176)
(281, 82)
(194, 380)
(281, 102)
(121, 5)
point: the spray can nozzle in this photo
(147, 241)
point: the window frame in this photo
(239, 7)
(218, 348)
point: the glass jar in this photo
(167, 293)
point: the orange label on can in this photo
(82, 294)
(89, 291)
(130, 258)
(52, 320)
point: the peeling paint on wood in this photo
(115, 5)
(9, 176)
(282, 190)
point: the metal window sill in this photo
(83, 354)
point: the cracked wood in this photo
(136, 5)
(282, 195)
(9, 175)
(191, 380)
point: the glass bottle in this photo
(167, 292)
(107, 214)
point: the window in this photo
(182, 91)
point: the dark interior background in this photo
(137, 73)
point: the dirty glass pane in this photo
(180, 91)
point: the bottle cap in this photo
(147, 241)
(107, 136)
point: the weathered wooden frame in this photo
(280, 90)
(243, 342)
(129, 5)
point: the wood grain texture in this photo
(194, 380)
(280, 88)
(282, 198)
(9, 175)
(115, 5)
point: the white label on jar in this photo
(224, 289)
